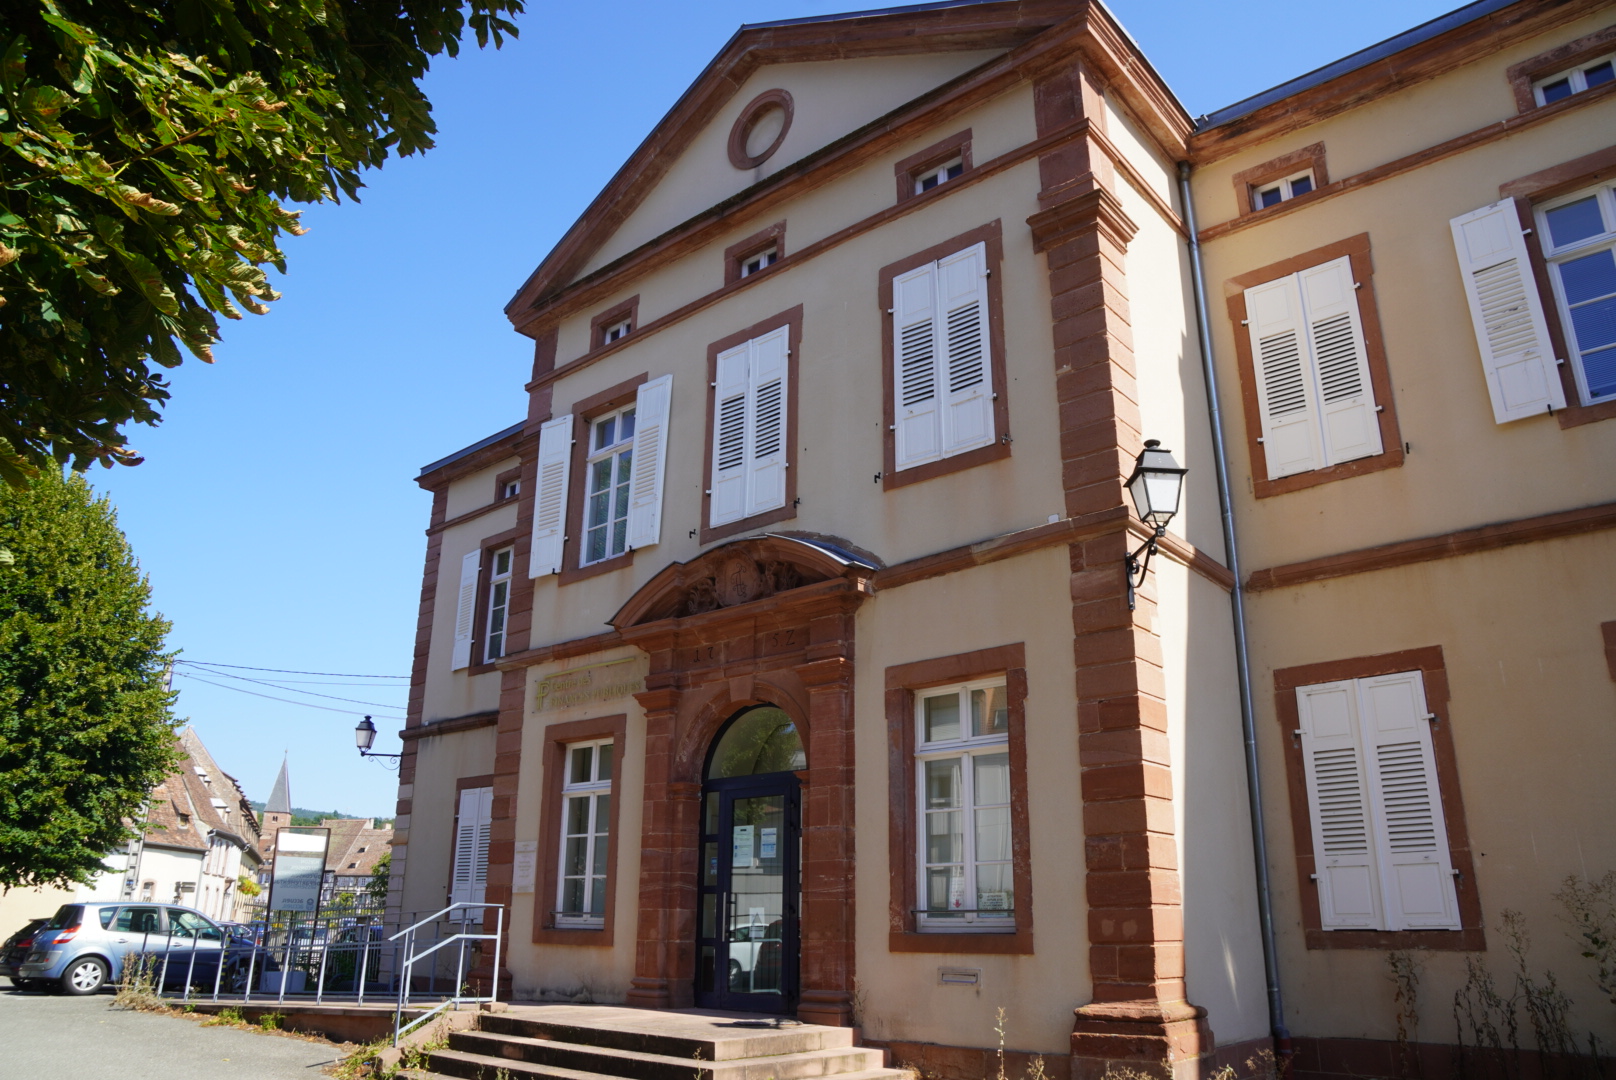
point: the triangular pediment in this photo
(842, 73)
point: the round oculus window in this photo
(760, 129)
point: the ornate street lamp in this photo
(1156, 485)
(365, 737)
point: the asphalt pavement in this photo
(55, 1037)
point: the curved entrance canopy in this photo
(761, 740)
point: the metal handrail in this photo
(411, 957)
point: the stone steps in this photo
(605, 1043)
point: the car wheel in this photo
(84, 976)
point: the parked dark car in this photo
(15, 949)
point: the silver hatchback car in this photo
(85, 945)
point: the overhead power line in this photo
(293, 690)
(288, 671)
(271, 697)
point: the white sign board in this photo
(743, 846)
(527, 860)
(294, 884)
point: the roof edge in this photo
(481, 444)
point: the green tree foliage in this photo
(148, 149)
(380, 875)
(85, 730)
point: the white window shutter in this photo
(1507, 312)
(550, 498)
(1338, 796)
(1416, 870)
(465, 610)
(651, 406)
(731, 426)
(473, 826)
(766, 451)
(1348, 421)
(916, 412)
(1286, 397)
(967, 390)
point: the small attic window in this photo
(1266, 195)
(761, 261)
(930, 178)
(361, 850)
(1584, 76)
(615, 331)
(615, 323)
(185, 819)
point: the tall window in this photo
(586, 816)
(1380, 839)
(499, 603)
(609, 469)
(1314, 392)
(750, 424)
(1579, 240)
(962, 753)
(943, 374)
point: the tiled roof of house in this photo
(196, 799)
(356, 845)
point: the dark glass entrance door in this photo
(747, 932)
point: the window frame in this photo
(591, 789)
(1285, 186)
(584, 413)
(557, 738)
(965, 747)
(1573, 75)
(493, 579)
(736, 254)
(1306, 159)
(516, 540)
(1391, 438)
(905, 685)
(1554, 255)
(1524, 78)
(594, 455)
(990, 235)
(1471, 937)
(909, 171)
(792, 319)
(486, 780)
(625, 310)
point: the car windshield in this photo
(67, 915)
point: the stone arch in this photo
(707, 717)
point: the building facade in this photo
(785, 657)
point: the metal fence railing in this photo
(345, 954)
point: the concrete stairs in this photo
(588, 1042)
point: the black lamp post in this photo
(1156, 486)
(365, 737)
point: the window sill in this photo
(943, 466)
(1471, 939)
(1576, 415)
(756, 521)
(1391, 458)
(571, 574)
(953, 942)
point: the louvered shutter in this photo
(1338, 795)
(917, 418)
(473, 825)
(550, 500)
(766, 452)
(1349, 424)
(962, 292)
(731, 425)
(465, 610)
(1416, 870)
(651, 405)
(1285, 391)
(1507, 313)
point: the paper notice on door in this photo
(767, 843)
(956, 892)
(743, 837)
(523, 871)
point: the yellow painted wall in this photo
(428, 845)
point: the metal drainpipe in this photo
(1237, 597)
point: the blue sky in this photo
(276, 512)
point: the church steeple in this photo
(280, 796)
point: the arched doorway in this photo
(748, 913)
